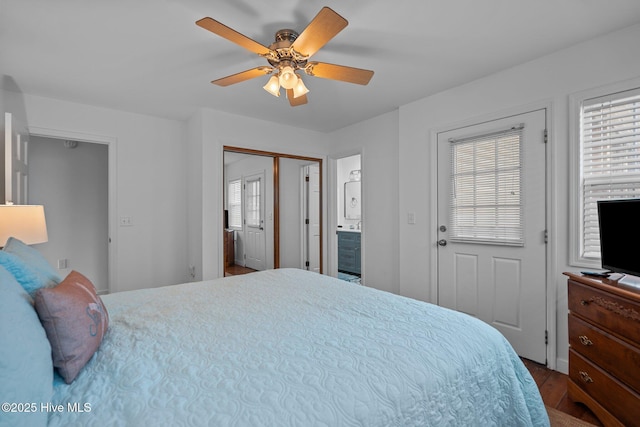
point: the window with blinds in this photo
(252, 205)
(235, 204)
(486, 189)
(610, 158)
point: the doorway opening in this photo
(71, 179)
(349, 218)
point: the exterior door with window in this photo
(491, 219)
(255, 241)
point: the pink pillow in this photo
(75, 320)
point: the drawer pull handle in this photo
(585, 377)
(585, 340)
(584, 302)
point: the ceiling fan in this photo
(289, 54)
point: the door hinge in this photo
(306, 178)
(546, 237)
(306, 264)
(306, 221)
(546, 136)
(546, 337)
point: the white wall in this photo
(72, 184)
(548, 80)
(151, 183)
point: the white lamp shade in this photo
(288, 78)
(299, 89)
(273, 86)
(24, 222)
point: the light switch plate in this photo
(411, 218)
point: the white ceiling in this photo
(148, 56)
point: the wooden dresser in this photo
(229, 249)
(604, 348)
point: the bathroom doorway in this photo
(349, 218)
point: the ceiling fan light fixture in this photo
(273, 86)
(288, 79)
(299, 89)
(289, 54)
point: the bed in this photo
(292, 348)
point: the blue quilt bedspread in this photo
(292, 348)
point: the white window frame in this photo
(253, 201)
(233, 181)
(576, 100)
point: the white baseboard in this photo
(562, 365)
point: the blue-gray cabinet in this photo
(349, 252)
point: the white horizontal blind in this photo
(486, 189)
(610, 147)
(253, 203)
(235, 204)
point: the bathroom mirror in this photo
(352, 200)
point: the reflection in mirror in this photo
(248, 201)
(352, 197)
(299, 182)
(273, 211)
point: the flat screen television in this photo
(619, 222)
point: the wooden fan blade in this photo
(301, 100)
(232, 35)
(242, 76)
(320, 30)
(339, 72)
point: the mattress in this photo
(292, 348)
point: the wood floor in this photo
(234, 270)
(553, 389)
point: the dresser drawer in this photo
(616, 314)
(613, 355)
(348, 239)
(618, 399)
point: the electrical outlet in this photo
(192, 271)
(62, 263)
(125, 221)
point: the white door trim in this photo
(552, 220)
(111, 142)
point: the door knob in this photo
(442, 242)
